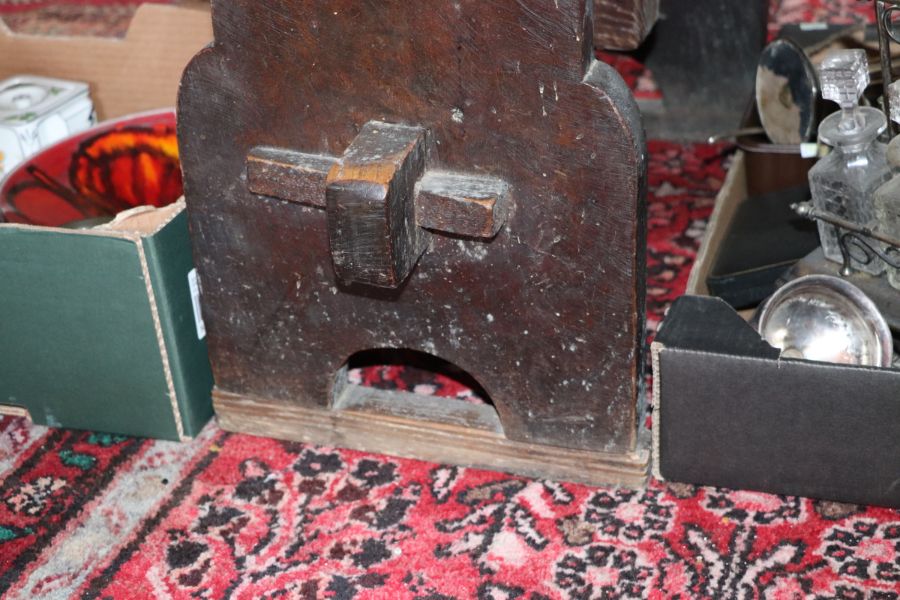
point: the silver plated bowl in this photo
(827, 319)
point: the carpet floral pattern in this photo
(256, 518)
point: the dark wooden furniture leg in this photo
(461, 179)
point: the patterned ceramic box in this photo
(36, 112)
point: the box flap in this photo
(62, 292)
(135, 74)
(169, 260)
(706, 324)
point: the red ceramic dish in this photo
(117, 165)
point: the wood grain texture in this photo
(623, 24)
(548, 315)
(380, 192)
(462, 204)
(365, 423)
(289, 175)
(370, 199)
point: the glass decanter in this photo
(887, 197)
(844, 182)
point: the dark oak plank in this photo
(371, 209)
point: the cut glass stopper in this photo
(844, 75)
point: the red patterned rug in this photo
(234, 516)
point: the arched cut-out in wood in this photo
(381, 397)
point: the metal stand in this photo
(851, 236)
(884, 10)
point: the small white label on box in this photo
(818, 26)
(194, 284)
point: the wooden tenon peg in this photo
(381, 200)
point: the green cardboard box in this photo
(100, 330)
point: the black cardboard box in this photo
(731, 413)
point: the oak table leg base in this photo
(433, 429)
